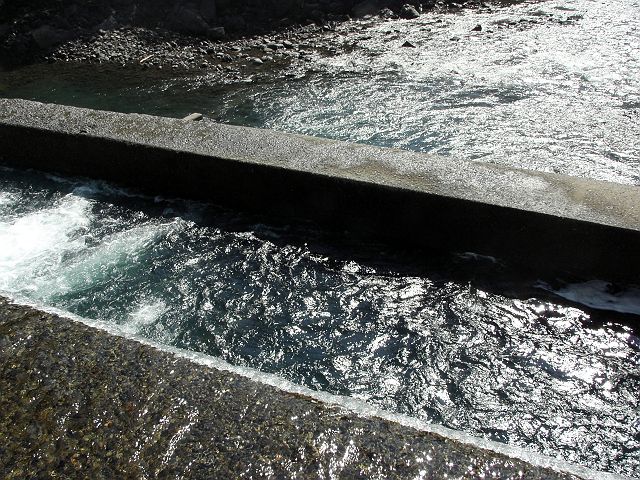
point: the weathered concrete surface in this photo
(77, 402)
(544, 221)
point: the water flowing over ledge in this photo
(415, 200)
(108, 405)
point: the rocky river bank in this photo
(233, 40)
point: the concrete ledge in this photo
(78, 402)
(550, 224)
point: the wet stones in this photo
(231, 60)
(206, 35)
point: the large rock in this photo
(208, 10)
(367, 7)
(47, 36)
(409, 11)
(109, 23)
(234, 23)
(216, 33)
(187, 20)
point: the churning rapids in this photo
(527, 372)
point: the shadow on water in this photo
(101, 87)
(479, 272)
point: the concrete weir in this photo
(78, 402)
(544, 222)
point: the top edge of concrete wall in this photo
(543, 221)
(563, 196)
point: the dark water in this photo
(526, 371)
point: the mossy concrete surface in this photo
(78, 402)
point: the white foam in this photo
(599, 295)
(44, 254)
(32, 243)
(147, 312)
(7, 198)
(89, 186)
(95, 265)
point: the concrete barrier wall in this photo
(545, 223)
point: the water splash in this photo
(37, 242)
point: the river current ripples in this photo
(523, 371)
(551, 86)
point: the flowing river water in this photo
(552, 86)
